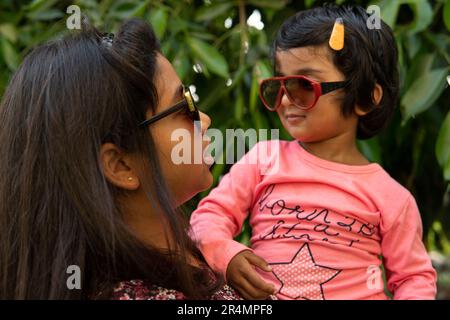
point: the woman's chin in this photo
(202, 184)
(207, 178)
(204, 179)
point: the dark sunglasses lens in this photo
(270, 90)
(301, 91)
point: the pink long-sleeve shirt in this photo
(324, 227)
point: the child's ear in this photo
(359, 111)
(377, 94)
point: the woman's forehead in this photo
(167, 80)
(166, 72)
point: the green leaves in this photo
(126, 9)
(212, 58)
(43, 10)
(269, 4)
(9, 53)
(158, 18)
(443, 147)
(423, 92)
(9, 31)
(446, 14)
(389, 11)
(212, 11)
(371, 149)
(423, 14)
(181, 64)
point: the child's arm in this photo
(219, 218)
(409, 272)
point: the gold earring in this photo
(130, 179)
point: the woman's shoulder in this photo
(143, 290)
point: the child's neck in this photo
(340, 149)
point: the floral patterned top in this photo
(143, 290)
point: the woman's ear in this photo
(118, 167)
(377, 94)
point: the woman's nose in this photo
(205, 121)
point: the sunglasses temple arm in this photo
(331, 86)
(163, 114)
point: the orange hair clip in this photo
(337, 35)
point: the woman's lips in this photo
(208, 159)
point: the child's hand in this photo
(241, 275)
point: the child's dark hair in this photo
(369, 56)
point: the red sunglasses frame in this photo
(320, 89)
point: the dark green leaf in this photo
(421, 65)
(9, 31)
(158, 18)
(50, 14)
(10, 54)
(239, 106)
(443, 143)
(213, 60)
(371, 149)
(212, 11)
(278, 4)
(181, 65)
(129, 9)
(446, 14)
(423, 92)
(389, 11)
(423, 16)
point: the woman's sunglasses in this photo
(187, 105)
(300, 90)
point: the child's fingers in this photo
(259, 262)
(242, 275)
(257, 282)
(248, 291)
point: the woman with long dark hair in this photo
(87, 178)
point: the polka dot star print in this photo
(302, 278)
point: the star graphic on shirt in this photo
(302, 278)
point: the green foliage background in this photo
(415, 149)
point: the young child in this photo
(326, 219)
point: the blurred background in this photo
(221, 49)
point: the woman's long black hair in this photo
(56, 208)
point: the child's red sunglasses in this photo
(300, 90)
